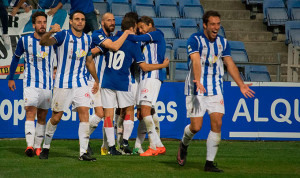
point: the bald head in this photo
(107, 15)
(108, 22)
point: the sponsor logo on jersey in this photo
(145, 90)
(80, 53)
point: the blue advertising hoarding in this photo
(273, 114)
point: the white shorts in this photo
(134, 91)
(95, 98)
(116, 99)
(64, 97)
(149, 90)
(196, 105)
(37, 97)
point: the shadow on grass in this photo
(187, 166)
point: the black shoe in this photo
(86, 157)
(114, 151)
(89, 150)
(210, 166)
(125, 147)
(44, 154)
(29, 151)
(182, 153)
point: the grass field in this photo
(237, 159)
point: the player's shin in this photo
(141, 134)
(39, 135)
(109, 130)
(84, 137)
(29, 133)
(150, 125)
(50, 129)
(212, 144)
(94, 121)
(187, 136)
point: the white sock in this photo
(212, 145)
(50, 129)
(29, 133)
(84, 137)
(110, 136)
(117, 117)
(141, 134)
(39, 135)
(157, 124)
(104, 144)
(151, 133)
(94, 121)
(158, 142)
(187, 136)
(128, 127)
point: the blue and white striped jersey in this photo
(39, 60)
(212, 68)
(98, 37)
(71, 53)
(154, 53)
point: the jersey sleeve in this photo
(59, 37)
(155, 36)
(192, 45)
(137, 53)
(139, 38)
(227, 50)
(98, 38)
(20, 48)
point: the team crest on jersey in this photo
(213, 59)
(25, 100)
(80, 53)
(101, 37)
(41, 54)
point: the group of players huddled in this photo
(108, 72)
(128, 70)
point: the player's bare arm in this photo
(149, 67)
(90, 65)
(196, 64)
(55, 9)
(234, 73)
(116, 45)
(46, 39)
(95, 51)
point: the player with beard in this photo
(100, 40)
(37, 81)
(70, 87)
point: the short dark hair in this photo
(127, 23)
(77, 11)
(210, 14)
(133, 15)
(37, 14)
(147, 20)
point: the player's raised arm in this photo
(116, 45)
(234, 73)
(149, 67)
(47, 40)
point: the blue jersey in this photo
(154, 48)
(71, 53)
(84, 6)
(98, 37)
(117, 75)
(212, 69)
(39, 60)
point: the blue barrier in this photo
(272, 115)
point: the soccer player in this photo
(116, 84)
(70, 87)
(100, 40)
(154, 47)
(203, 86)
(37, 81)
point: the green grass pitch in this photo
(237, 159)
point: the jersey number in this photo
(116, 59)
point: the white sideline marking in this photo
(265, 134)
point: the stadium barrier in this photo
(293, 66)
(272, 115)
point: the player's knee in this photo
(195, 129)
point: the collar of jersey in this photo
(70, 31)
